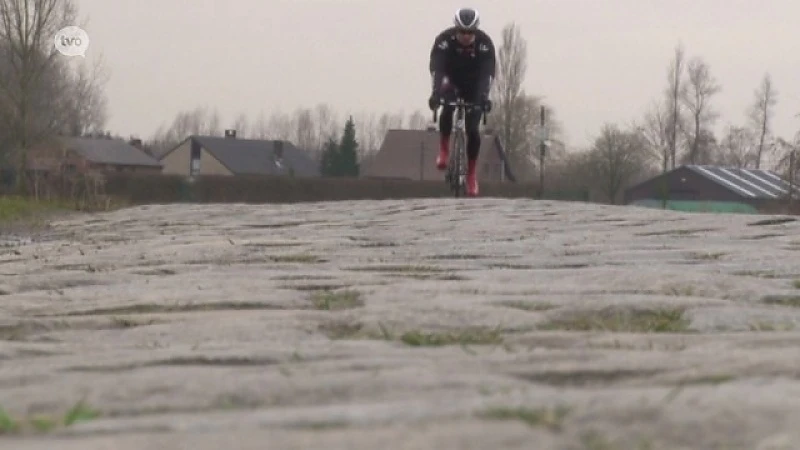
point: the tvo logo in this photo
(72, 41)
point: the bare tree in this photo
(201, 121)
(87, 103)
(306, 131)
(656, 129)
(327, 125)
(737, 148)
(280, 126)
(368, 133)
(570, 171)
(527, 115)
(386, 122)
(371, 129)
(417, 121)
(673, 96)
(260, 127)
(40, 94)
(700, 88)
(242, 126)
(516, 114)
(616, 159)
(507, 92)
(760, 115)
(785, 149)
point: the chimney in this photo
(136, 143)
(230, 134)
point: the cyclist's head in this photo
(466, 21)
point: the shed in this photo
(720, 188)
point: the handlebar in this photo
(458, 104)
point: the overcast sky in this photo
(594, 61)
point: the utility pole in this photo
(542, 150)
(792, 171)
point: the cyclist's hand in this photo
(433, 101)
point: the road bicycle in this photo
(456, 173)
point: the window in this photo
(194, 161)
(195, 150)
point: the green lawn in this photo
(13, 208)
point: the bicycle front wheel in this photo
(459, 165)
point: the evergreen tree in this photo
(329, 159)
(347, 161)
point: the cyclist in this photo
(462, 62)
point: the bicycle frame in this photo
(456, 175)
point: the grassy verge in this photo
(22, 215)
(13, 208)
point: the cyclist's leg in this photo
(472, 125)
(445, 129)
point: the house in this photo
(712, 188)
(229, 155)
(411, 154)
(90, 154)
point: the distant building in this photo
(713, 188)
(90, 154)
(411, 154)
(229, 155)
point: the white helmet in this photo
(467, 19)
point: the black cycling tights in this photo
(471, 124)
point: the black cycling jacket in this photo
(471, 68)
